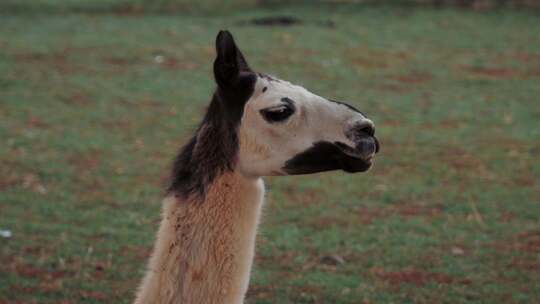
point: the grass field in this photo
(89, 122)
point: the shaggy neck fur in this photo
(204, 250)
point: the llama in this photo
(256, 125)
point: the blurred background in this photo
(97, 96)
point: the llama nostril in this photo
(365, 128)
(368, 130)
(358, 130)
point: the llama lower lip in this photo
(364, 149)
(356, 164)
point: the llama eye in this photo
(277, 114)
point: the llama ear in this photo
(229, 61)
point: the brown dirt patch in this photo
(143, 103)
(77, 99)
(413, 78)
(87, 161)
(524, 264)
(368, 215)
(8, 181)
(22, 289)
(535, 72)
(415, 277)
(329, 221)
(307, 197)
(524, 242)
(375, 58)
(32, 272)
(120, 61)
(409, 210)
(36, 123)
(368, 63)
(460, 159)
(95, 295)
(418, 210)
(29, 271)
(393, 88)
(525, 57)
(28, 181)
(507, 217)
(171, 63)
(58, 58)
(448, 124)
(529, 241)
(391, 123)
(493, 72)
(58, 61)
(525, 181)
(284, 259)
(365, 215)
(139, 252)
(261, 292)
(36, 251)
(117, 124)
(308, 294)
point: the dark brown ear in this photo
(229, 61)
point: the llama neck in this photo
(204, 250)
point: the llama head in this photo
(285, 129)
(260, 125)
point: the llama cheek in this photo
(249, 146)
(274, 136)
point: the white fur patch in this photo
(265, 147)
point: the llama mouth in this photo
(365, 148)
(327, 156)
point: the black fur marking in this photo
(324, 156)
(230, 61)
(267, 77)
(276, 20)
(264, 89)
(285, 21)
(348, 106)
(214, 147)
(288, 101)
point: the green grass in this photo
(89, 123)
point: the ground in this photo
(94, 106)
